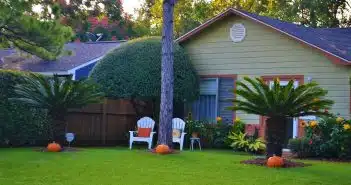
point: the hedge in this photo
(134, 70)
(19, 124)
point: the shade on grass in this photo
(121, 166)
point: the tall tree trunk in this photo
(275, 135)
(167, 77)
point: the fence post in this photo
(104, 121)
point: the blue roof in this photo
(334, 41)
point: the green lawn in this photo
(120, 166)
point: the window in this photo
(206, 107)
(215, 95)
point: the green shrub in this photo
(19, 124)
(302, 147)
(330, 138)
(213, 135)
(239, 126)
(242, 142)
(216, 134)
(134, 71)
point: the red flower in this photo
(311, 142)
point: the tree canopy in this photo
(134, 71)
(191, 13)
(22, 28)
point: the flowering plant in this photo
(329, 136)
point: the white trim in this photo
(86, 64)
(74, 75)
(247, 16)
(73, 70)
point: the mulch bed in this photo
(66, 149)
(172, 151)
(287, 163)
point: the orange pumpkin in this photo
(162, 149)
(54, 147)
(275, 162)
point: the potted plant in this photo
(195, 128)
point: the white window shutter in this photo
(238, 32)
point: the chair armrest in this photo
(152, 134)
(183, 134)
(131, 133)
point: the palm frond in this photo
(278, 101)
(56, 94)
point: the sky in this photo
(130, 5)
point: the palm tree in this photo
(56, 95)
(279, 103)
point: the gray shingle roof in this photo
(81, 54)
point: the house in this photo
(78, 64)
(236, 43)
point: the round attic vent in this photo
(238, 32)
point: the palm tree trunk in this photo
(58, 126)
(59, 130)
(167, 78)
(275, 135)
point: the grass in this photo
(121, 166)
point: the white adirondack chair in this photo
(144, 122)
(179, 124)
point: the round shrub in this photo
(134, 71)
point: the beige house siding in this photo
(266, 52)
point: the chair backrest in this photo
(178, 123)
(146, 122)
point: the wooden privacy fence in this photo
(108, 123)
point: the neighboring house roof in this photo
(4, 53)
(82, 53)
(334, 42)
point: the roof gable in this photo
(335, 43)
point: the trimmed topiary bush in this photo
(19, 124)
(134, 71)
